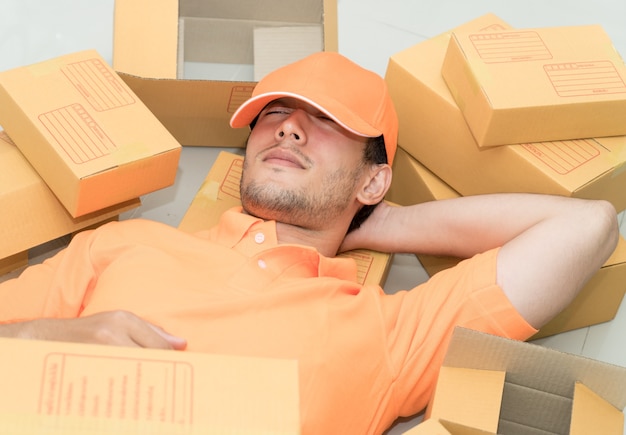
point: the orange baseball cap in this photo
(355, 98)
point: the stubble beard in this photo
(308, 208)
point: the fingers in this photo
(175, 343)
(117, 328)
(127, 329)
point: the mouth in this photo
(283, 157)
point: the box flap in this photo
(592, 414)
(278, 46)
(442, 427)
(469, 397)
(145, 38)
(544, 373)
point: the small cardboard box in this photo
(68, 388)
(433, 131)
(597, 302)
(85, 132)
(220, 191)
(499, 385)
(31, 214)
(537, 85)
(193, 62)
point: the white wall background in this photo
(369, 30)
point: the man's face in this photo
(301, 167)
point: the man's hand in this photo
(118, 328)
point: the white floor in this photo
(369, 32)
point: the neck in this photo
(326, 241)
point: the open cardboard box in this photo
(498, 385)
(220, 191)
(84, 131)
(597, 302)
(433, 130)
(193, 62)
(537, 85)
(68, 388)
(31, 214)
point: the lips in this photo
(283, 157)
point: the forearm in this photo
(465, 226)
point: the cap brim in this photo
(248, 111)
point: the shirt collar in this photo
(234, 226)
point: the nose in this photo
(293, 127)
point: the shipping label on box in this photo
(69, 388)
(537, 85)
(31, 214)
(85, 132)
(194, 62)
(220, 192)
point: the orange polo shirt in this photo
(365, 357)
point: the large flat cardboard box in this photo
(505, 386)
(537, 85)
(68, 388)
(31, 213)
(220, 192)
(433, 130)
(596, 303)
(85, 132)
(193, 62)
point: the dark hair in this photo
(373, 154)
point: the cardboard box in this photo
(13, 262)
(599, 299)
(537, 85)
(413, 183)
(31, 214)
(220, 192)
(433, 131)
(597, 302)
(444, 427)
(85, 132)
(69, 388)
(194, 62)
(499, 385)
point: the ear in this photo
(376, 185)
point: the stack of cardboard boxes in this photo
(485, 108)
(78, 148)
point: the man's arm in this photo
(44, 303)
(551, 245)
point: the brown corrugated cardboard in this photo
(220, 191)
(31, 214)
(443, 427)
(193, 62)
(597, 302)
(413, 183)
(13, 262)
(433, 130)
(537, 85)
(70, 388)
(541, 392)
(85, 132)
